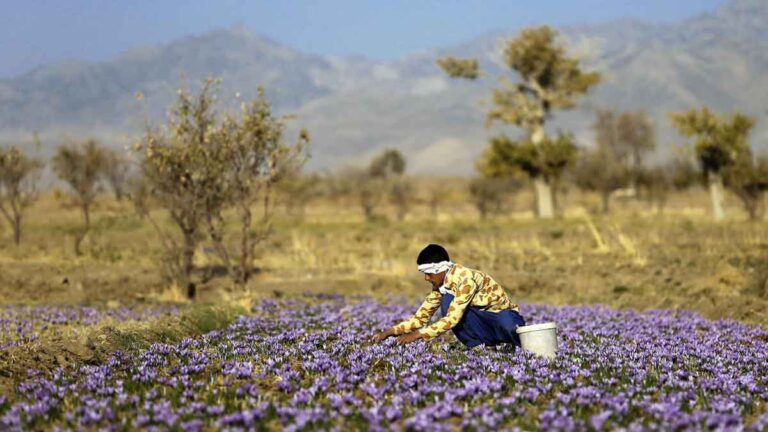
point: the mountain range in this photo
(355, 107)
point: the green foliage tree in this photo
(548, 80)
(388, 164)
(719, 142)
(747, 178)
(18, 177)
(297, 190)
(507, 158)
(460, 68)
(81, 166)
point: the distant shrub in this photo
(601, 170)
(747, 178)
(297, 191)
(81, 166)
(116, 169)
(18, 178)
(488, 194)
(388, 164)
(387, 170)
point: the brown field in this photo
(632, 258)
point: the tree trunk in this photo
(633, 186)
(367, 209)
(716, 193)
(82, 233)
(483, 209)
(752, 212)
(402, 212)
(17, 229)
(606, 199)
(187, 261)
(216, 233)
(752, 205)
(544, 205)
(545, 208)
(13, 216)
(245, 246)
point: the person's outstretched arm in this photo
(418, 320)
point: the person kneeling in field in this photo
(473, 305)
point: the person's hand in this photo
(380, 336)
(408, 338)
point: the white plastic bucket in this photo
(540, 339)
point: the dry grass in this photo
(632, 258)
(94, 344)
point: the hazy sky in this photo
(36, 32)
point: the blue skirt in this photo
(478, 327)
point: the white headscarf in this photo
(434, 268)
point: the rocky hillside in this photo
(354, 107)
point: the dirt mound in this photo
(96, 345)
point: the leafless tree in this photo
(18, 178)
(81, 166)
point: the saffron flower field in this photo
(308, 364)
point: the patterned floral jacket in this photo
(470, 288)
